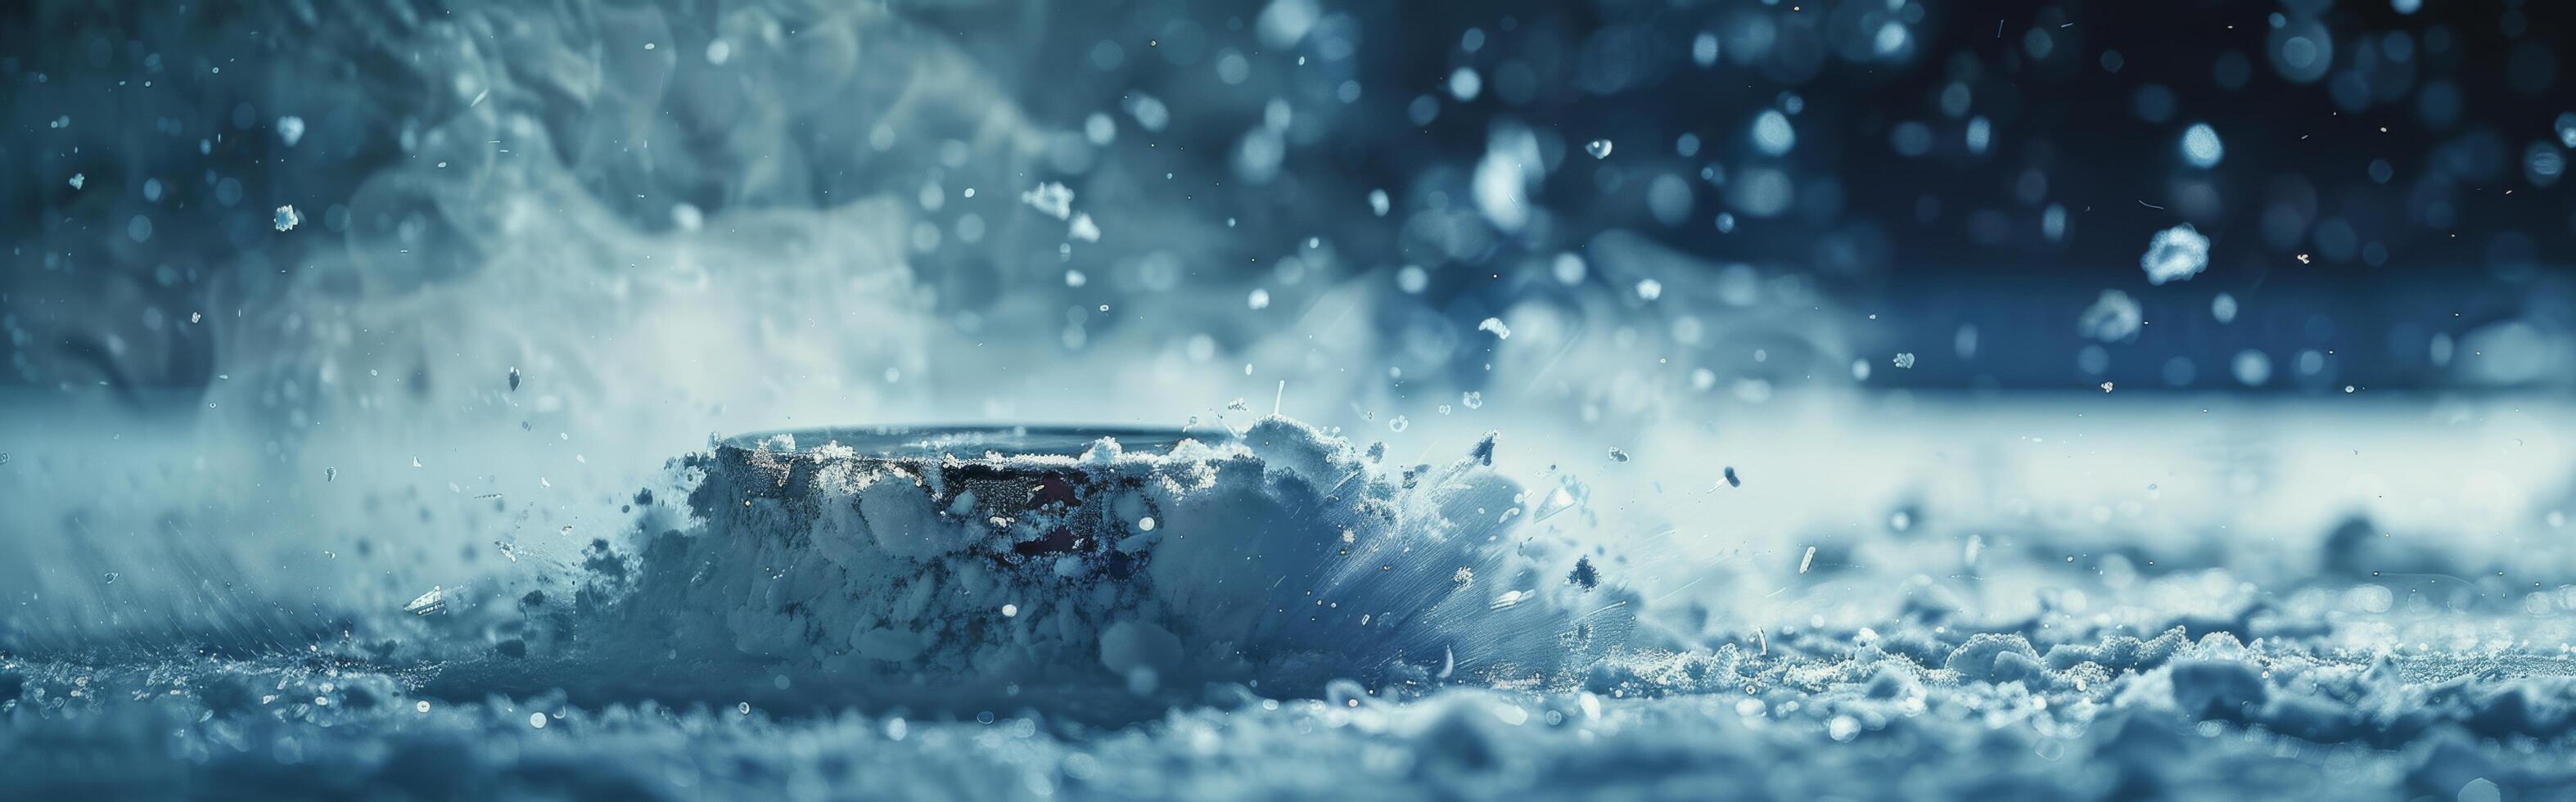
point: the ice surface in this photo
(1428, 630)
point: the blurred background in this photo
(2375, 181)
(311, 306)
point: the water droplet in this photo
(1599, 148)
(1399, 423)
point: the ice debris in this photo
(2176, 254)
(1054, 199)
(1772, 134)
(2113, 318)
(431, 603)
(2201, 147)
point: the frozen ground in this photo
(2083, 597)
